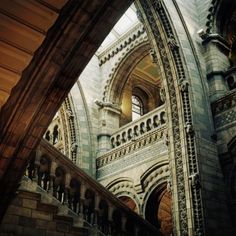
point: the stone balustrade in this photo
(94, 205)
(148, 138)
(147, 123)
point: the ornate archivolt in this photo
(154, 176)
(152, 179)
(178, 104)
(121, 70)
(124, 45)
(124, 187)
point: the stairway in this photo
(57, 198)
(34, 212)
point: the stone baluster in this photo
(123, 224)
(136, 230)
(81, 203)
(36, 167)
(110, 219)
(67, 189)
(52, 177)
(96, 209)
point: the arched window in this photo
(137, 107)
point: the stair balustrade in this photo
(94, 205)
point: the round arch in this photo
(158, 209)
(123, 188)
(122, 72)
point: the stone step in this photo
(33, 214)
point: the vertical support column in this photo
(66, 190)
(52, 177)
(123, 223)
(110, 220)
(36, 166)
(81, 204)
(109, 122)
(217, 62)
(96, 209)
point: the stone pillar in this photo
(123, 223)
(109, 116)
(96, 209)
(81, 204)
(110, 212)
(217, 62)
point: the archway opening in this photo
(158, 210)
(141, 91)
(129, 202)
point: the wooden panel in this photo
(30, 12)
(13, 59)
(58, 4)
(19, 35)
(8, 79)
(3, 97)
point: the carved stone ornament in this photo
(189, 128)
(139, 16)
(195, 181)
(184, 85)
(169, 185)
(70, 114)
(153, 56)
(172, 43)
(162, 94)
(102, 104)
(74, 147)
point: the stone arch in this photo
(123, 188)
(152, 179)
(158, 209)
(121, 73)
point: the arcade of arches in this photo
(111, 102)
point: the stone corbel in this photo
(218, 40)
(108, 105)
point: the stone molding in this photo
(127, 42)
(157, 35)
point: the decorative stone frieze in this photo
(224, 110)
